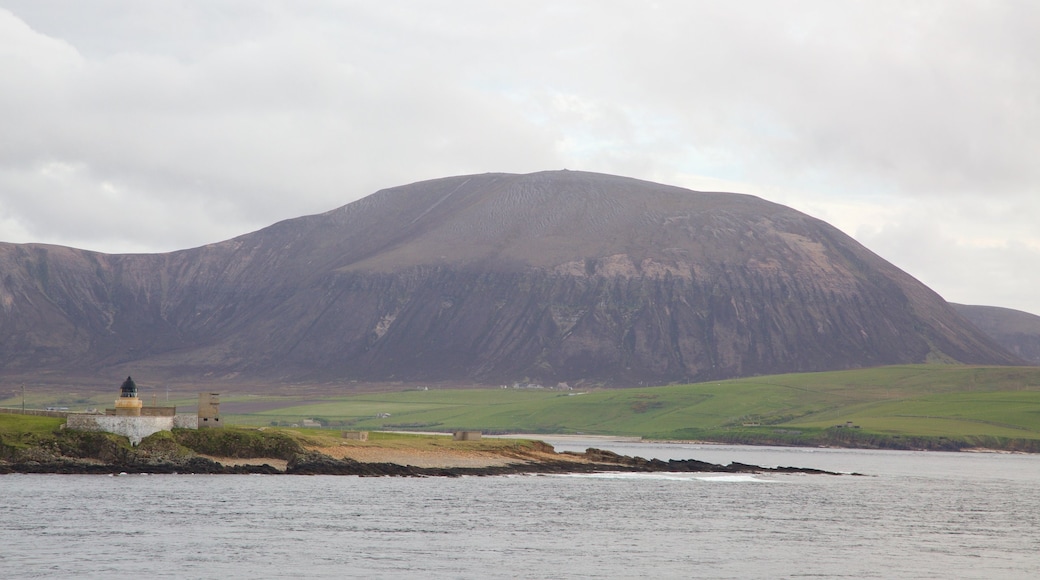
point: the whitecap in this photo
(668, 476)
(735, 479)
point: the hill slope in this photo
(555, 276)
(1016, 331)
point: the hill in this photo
(1016, 331)
(549, 277)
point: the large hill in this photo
(1016, 331)
(554, 276)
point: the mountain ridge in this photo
(552, 276)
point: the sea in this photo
(902, 515)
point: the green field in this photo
(18, 426)
(917, 406)
(931, 406)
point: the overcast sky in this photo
(129, 126)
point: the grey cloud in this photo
(969, 251)
(272, 127)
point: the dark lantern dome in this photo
(129, 388)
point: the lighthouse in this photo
(128, 404)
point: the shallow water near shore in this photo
(912, 515)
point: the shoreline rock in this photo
(314, 463)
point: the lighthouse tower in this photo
(128, 404)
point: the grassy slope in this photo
(15, 428)
(927, 405)
(27, 438)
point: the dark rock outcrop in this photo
(313, 463)
(195, 465)
(548, 277)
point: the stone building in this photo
(209, 410)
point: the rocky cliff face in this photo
(1016, 331)
(556, 276)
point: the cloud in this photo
(233, 139)
(969, 260)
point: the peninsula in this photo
(38, 445)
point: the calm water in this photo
(918, 515)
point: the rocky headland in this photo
(242, 451)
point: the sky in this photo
(913, 126)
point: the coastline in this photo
(243, 451)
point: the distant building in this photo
(129, 404)
(209, 410)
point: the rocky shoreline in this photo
(315, 463)
(237, 450)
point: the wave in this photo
(669, 476)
